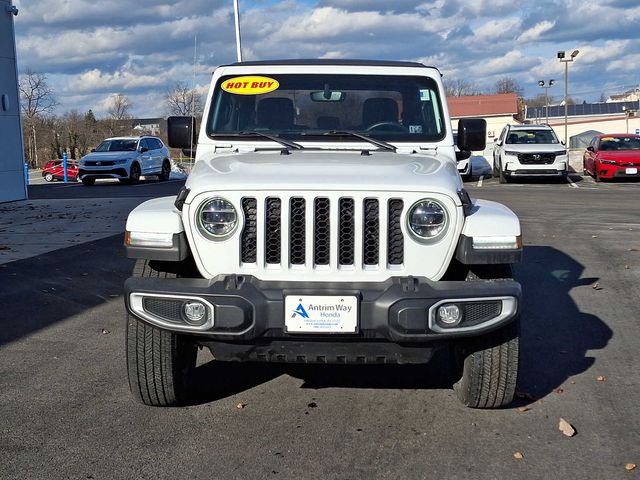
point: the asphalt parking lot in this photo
(66, 411)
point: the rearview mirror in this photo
(181, 132)
(472, 134)
(327, 96)
(591, 149)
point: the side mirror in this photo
(562, 142)
(591, 149)
(143, 149)
(93, 150)
(472, 134)
(181, 132)
(462, 155)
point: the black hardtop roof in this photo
(327, 61)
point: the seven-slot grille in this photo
(537, 158)
(299, 231)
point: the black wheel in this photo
(488, 364)
(166, 171)
(495, 167)
(502, 178)
(159, 363)
(134, 174)
(88, 181)
(48, 177)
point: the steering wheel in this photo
(394, 127)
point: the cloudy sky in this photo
(93, 49)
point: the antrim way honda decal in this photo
(250, 85)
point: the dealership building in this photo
(12, 179)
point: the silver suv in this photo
(127, 159)
(529, 151)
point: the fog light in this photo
(449, 314)
(195, 313)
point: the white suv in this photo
(529, 151)
(324, 221)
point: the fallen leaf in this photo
(559, 390)
(594, 236)
(523, 409)
(633, 249)
(573, 382)
(626, 267)
(527, 395)
(241, 405)
(601, 378)
(312, 405)
(629, 467)
(566, 428)
(596, 286)
(518, 455)
(104, 331)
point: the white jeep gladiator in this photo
(324, 221)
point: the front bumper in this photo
(618, 171)
(248, 311)
(516, 169)
(110, 172)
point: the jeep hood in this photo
(103, 156)
(325, 170)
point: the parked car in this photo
(317, 230)
(127, 159)
(463, 159)
(612, 156)
(53, 170)
(529, 151)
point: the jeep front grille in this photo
(319, 232)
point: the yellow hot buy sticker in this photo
(250, 85)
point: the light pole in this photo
(236, 15)
(546, 94)
(561, 55)
(628, 112)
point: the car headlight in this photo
(217, 217)
(560, 153)
(608, 162)
(427, 219)
(507, 152)
(121, 161)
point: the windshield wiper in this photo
(281, 141)
(373, 141)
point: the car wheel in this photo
(488, 364)
(88, 181)
(160, 364)
(48, 177)
(166, 171)
(134, 174)
(502, 178)
(495, 167)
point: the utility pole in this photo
(236, 14)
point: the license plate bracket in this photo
(321, 314)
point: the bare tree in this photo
(37, 100)
(508, 85)
(182, 100)
(119, 106)
(457, 87)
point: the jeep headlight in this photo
(217, 217)
(427, 219)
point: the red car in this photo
(613, 156)
(53, 171)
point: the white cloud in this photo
(536, 31)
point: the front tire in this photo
(48, 177)
(488, 364)
(502, 178)
(166, 171)
(160, 364)
(88, 181)
(134, 174)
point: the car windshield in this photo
(620, 143)
(532, 136)
(327, 106)
(118, 145)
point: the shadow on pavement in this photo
(38, 292)
(556, 335)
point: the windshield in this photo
(620, 143)
(532, 136)
(391, 108)
(119, 145)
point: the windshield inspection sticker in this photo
(250, 85)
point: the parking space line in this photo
(571, 182)
(480, 180)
